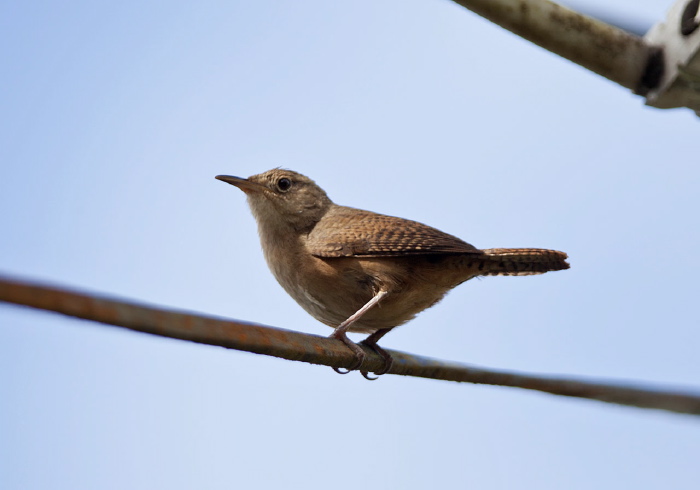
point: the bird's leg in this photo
(371, 342)
(340, 332)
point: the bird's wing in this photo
(347, 232)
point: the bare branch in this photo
(298, 346)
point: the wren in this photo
(360, 271)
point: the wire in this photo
(296, 346)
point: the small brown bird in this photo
(360, 271)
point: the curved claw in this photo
(358, 362)
(388, 363)
(356, 349)
(371, 342)
(368, 377)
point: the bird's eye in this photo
(284, 184)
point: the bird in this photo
(365, 272)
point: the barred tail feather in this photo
(522, 261)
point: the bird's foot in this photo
(356, 349)
(371, 342)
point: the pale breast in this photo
(332, 289)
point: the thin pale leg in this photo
(341, 330)
(371, 342)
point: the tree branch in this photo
(298, 346)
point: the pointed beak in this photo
(243, 184)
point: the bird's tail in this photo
(521, 261)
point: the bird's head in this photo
(283, 198)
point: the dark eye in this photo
(284, 184)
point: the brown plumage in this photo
(350, 232)
(361, 271)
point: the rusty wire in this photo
(296, 346)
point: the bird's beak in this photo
(243, 184)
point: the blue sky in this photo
(118, 115)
